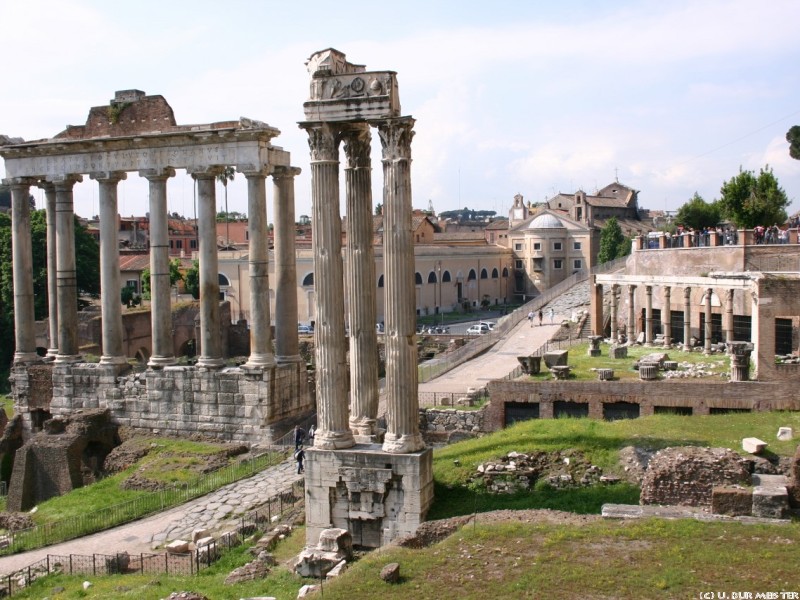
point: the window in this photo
(576, 245)
(518, 264)
(472, 275)
(308, 280)
(576, 264)
(431, 277)
(505, 272)
(179, 244)
(417, 279)
(537, 245)
(446, 277)
(484, 274)
(495, 274)
(380, 281)
(193, 244)
(132, 283)
(170, 243)
(223, 280)
(558, 263)
(518, 246)
(557, 246)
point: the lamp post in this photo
(439, 279)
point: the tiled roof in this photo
(134, 262)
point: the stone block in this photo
(204, 541)
(785, 434)
(391, 573)
(618, 352)
(199, 533)
(770, 503)
(753, 445)
(556, 358)
(733, 501)
(178, 547)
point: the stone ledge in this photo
(635, 511)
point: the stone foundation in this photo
(374, 495)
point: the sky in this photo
(530, 97)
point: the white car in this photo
(304, 329)
(479, 329)
(489, 324)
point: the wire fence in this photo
(438, 366)
(147, 504)
(188, 563)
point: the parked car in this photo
(304, 329)
(479, 329)
(437, 329)
(489, 324)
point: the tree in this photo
(378, 209)
(612, 242)
(227, 175)
(748, 200)
(175, 276)
(793, 137)
(128, 297)
(87, 271)
(192, 280)
(697, 213)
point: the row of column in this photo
(339, 427)
(666, 315)
(62, 284)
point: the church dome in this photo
(546, 221)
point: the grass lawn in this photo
(7, 403)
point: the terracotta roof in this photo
(134, 262)
(460, 236)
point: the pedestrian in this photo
(299, 436)
(540, 317)
(551, 313)
(530, 318)
(299, 456)
(311, 431)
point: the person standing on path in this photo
(551, 313)
(299, 456)
(540, 317)
(530, 318)
(299, 436)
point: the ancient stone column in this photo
(361, 285)
(113, 353)
(402, 405)
(707, 341)
(631, 314)
(22, 271)
(666, 317)
(596, 306)
(729, 334)
(65, 270)
(261, 355)
(329, 336)
(163, 353)
(210, 341)
(648, 315)
(287, 348)
(614, 313)
(52, 285)
(687, 319)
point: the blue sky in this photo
(529, 97)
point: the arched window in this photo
(308, 280)
(380, 281)
(472, 275)
(431, 277)
(446, 277)
(417, 278)
(505, 271)
(484, 274)
(224, 281)
(495, 274)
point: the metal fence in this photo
(147, 504)
(167, 563)
(433, 368)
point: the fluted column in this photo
(631, 314)
(163, 353)
(707, 341)
(52, 284)
(22, 271)
(666, 317)
(402, 405)
(361, 286)
(648, 315)
(329, 337)
(261, 355)
(113, 353)
(729, 333)
(66, 282)
(687, 318)
(614, 313)
(210, 342)
(287, 347)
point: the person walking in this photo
(540, 317)
(551, 313)
(311, 431)
(299, 436)
(299, 456)
(530, 318)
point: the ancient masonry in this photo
(377, 492)
(135, 132)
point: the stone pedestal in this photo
(594, 345)
(648, 371)
(740, 360)
(375, 495)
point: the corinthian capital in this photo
(357, 146)
(396, 135)
(323, 141)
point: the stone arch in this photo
(308, 280)
(417, 278)
(432, 277)
(472, 275)
(495, 274)
(484, 274)
(142, 355)
(380, 281)
(446, 277)
(223, 280)
(505, 271)
(188, 348)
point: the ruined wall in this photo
(701, 397)
(449, 420)
(231, 404)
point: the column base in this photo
(285, 360)
(260, 361)
(205, 362)
(402, 444)
(21, 358)
(67, 359)
(113, 360)
(333, 440)
(51, 354)
(365, 431)
(159, 362)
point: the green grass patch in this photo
(7, 403)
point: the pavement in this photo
(212, 511)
